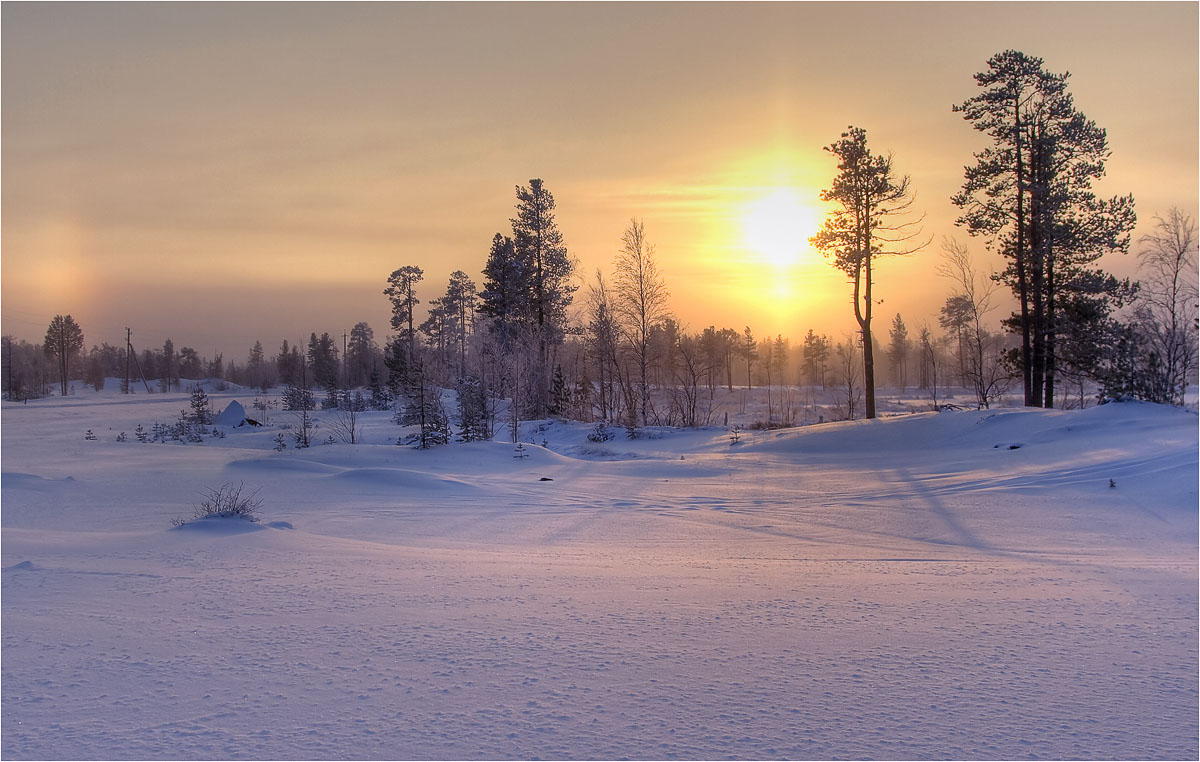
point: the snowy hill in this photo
(1011, 583)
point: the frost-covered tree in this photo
(334, 399)
(640, 301)
(965, 313)
(540, 247)
(425, 411)
(560, 393)
(299, 399)
(602, 346)
(64, 340)
(1166, 306)
(868, 221)
(475, 417)
(459, 304)
(360, 355)
(539, 244)
(296, 398)
(440, 332)
(201, 408)
(25, 369)
(323, 360)
(685, 391)
(382, 397)
(396, 360)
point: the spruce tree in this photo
(201, 410)
(425, 411)
(474, 423)
(505, 295)
(898, 351)
(540, 248)
(360, 355)
(323, 360)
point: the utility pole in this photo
(9, 386)
(345, 363)
(128, 351)
(128, 354)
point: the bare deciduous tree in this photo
(848, 353)
(346, 425)
(1167, 301)
(641, 300)
(980, 363)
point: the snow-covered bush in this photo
(599, 433)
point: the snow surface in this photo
(937, 585)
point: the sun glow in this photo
(777, 227)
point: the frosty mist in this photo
(540, 514)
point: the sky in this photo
(221, 173)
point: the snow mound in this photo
(281, 463)
(960, 432)
(392, 478)
(233, 415)
(11, 479)
(219, 525)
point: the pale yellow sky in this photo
(221, 173)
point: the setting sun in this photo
(777, 226)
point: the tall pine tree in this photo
(539, 246)
(870, 202)
(1029, 196)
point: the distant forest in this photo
(606, 347)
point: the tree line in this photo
(618, 354)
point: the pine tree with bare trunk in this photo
(64, 340)
(869, 220)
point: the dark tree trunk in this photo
(1021, 258)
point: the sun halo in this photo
(777, 226)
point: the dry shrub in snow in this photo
(227, 501)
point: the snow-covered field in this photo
(938, 585)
